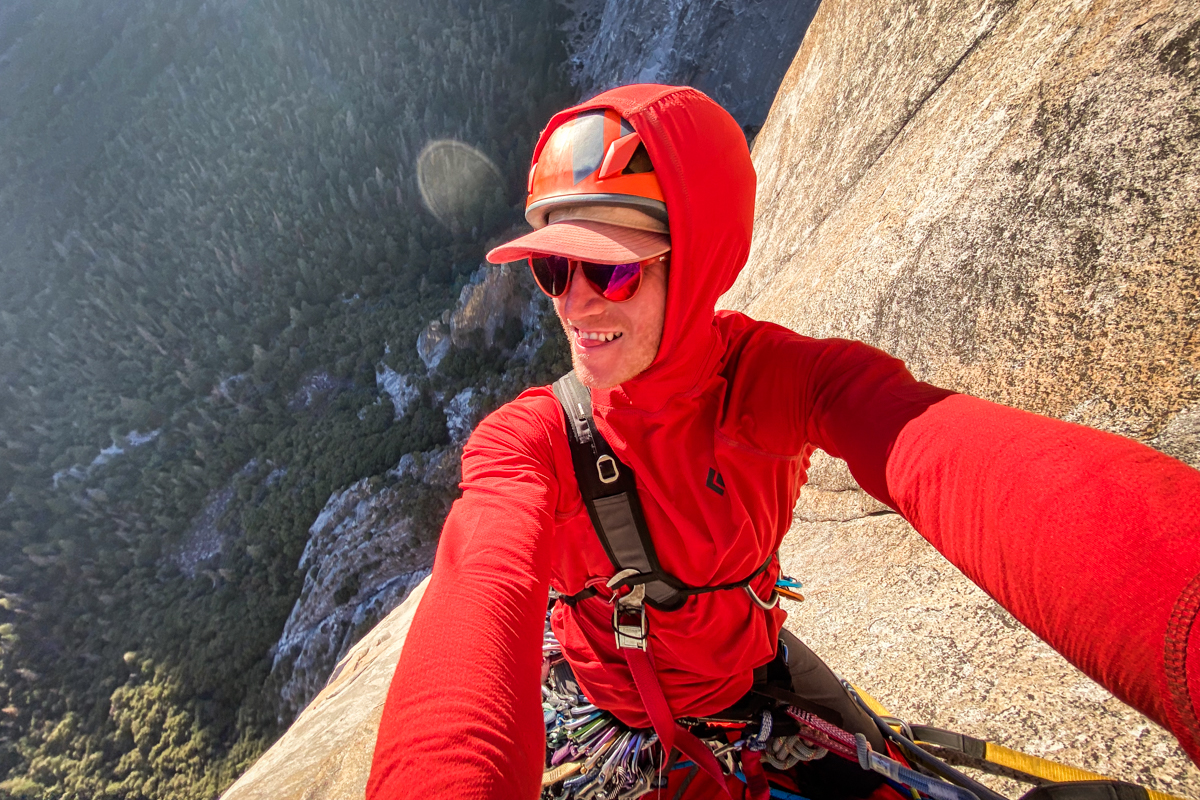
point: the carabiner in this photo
(765, 605)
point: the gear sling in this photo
(610, 493)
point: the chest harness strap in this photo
(609, 491)
(610, 494)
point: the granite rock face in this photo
(326, 753)
(735, 51)
(362, 559)
(401, 389)
(1004, 195)
(492, 300)
(493, 297)
(433, 344)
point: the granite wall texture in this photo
(1004, 195)
(1001, 193)
(736, 51)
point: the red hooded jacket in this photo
(1036, 511)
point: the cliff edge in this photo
(1003, 194)
(326, 753)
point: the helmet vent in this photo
(618, 155)
(638, 162)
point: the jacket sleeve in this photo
(1090, 539)
(463, 715)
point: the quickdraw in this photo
(591, 755)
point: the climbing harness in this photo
(609, 491)
(591, 754)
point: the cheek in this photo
(648, 337)
(653, 338)
(558, 312)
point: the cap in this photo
(590, 234)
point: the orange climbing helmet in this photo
(593, 195)
(595, 158)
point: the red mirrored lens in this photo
(615, 282)
(552, 273)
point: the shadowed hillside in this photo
(214, 253)
(1003, 195)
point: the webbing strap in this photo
(785, 697)
(572, 599)
(609, 491)
(962, 750)
(757, 787)
(670, 733)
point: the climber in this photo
(642, 202)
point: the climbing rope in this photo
(591, 755)
(785, 752)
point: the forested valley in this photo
(210, 216)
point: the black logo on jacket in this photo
(715, 482)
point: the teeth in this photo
(601, 337)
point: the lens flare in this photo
(459, 185)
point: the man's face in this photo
(601, 360)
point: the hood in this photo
(703, 165)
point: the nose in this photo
(580, 300)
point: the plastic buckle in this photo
(629, 634)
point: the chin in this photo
(599, 378)
(612, 367)
(589, 378)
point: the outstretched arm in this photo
(1091, 540)
(463, 713)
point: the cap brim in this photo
(585, 240)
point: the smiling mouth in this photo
(595, 336)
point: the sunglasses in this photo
(615, 282)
